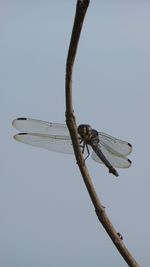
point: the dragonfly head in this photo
(85, 132)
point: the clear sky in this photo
(47, 218)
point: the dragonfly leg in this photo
(88, 152)
(82, 145)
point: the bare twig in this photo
(81, 9)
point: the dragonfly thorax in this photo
(86, 133)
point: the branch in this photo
(81, 9)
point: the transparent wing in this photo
(116, 160)
(115, 145)
(48, 135)
(54, 143)
(28, 125)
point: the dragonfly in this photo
(108, 150)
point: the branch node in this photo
(120, 236)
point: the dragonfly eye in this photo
(84, 130)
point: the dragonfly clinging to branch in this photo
(110, 151)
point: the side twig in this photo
(81, 9)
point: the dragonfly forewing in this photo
(28, 125)
(118, 146)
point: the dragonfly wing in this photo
(54, 143)
(51, 136)
(28, 125)
(116, 160)
(116, 145)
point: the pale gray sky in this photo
(47, 218)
